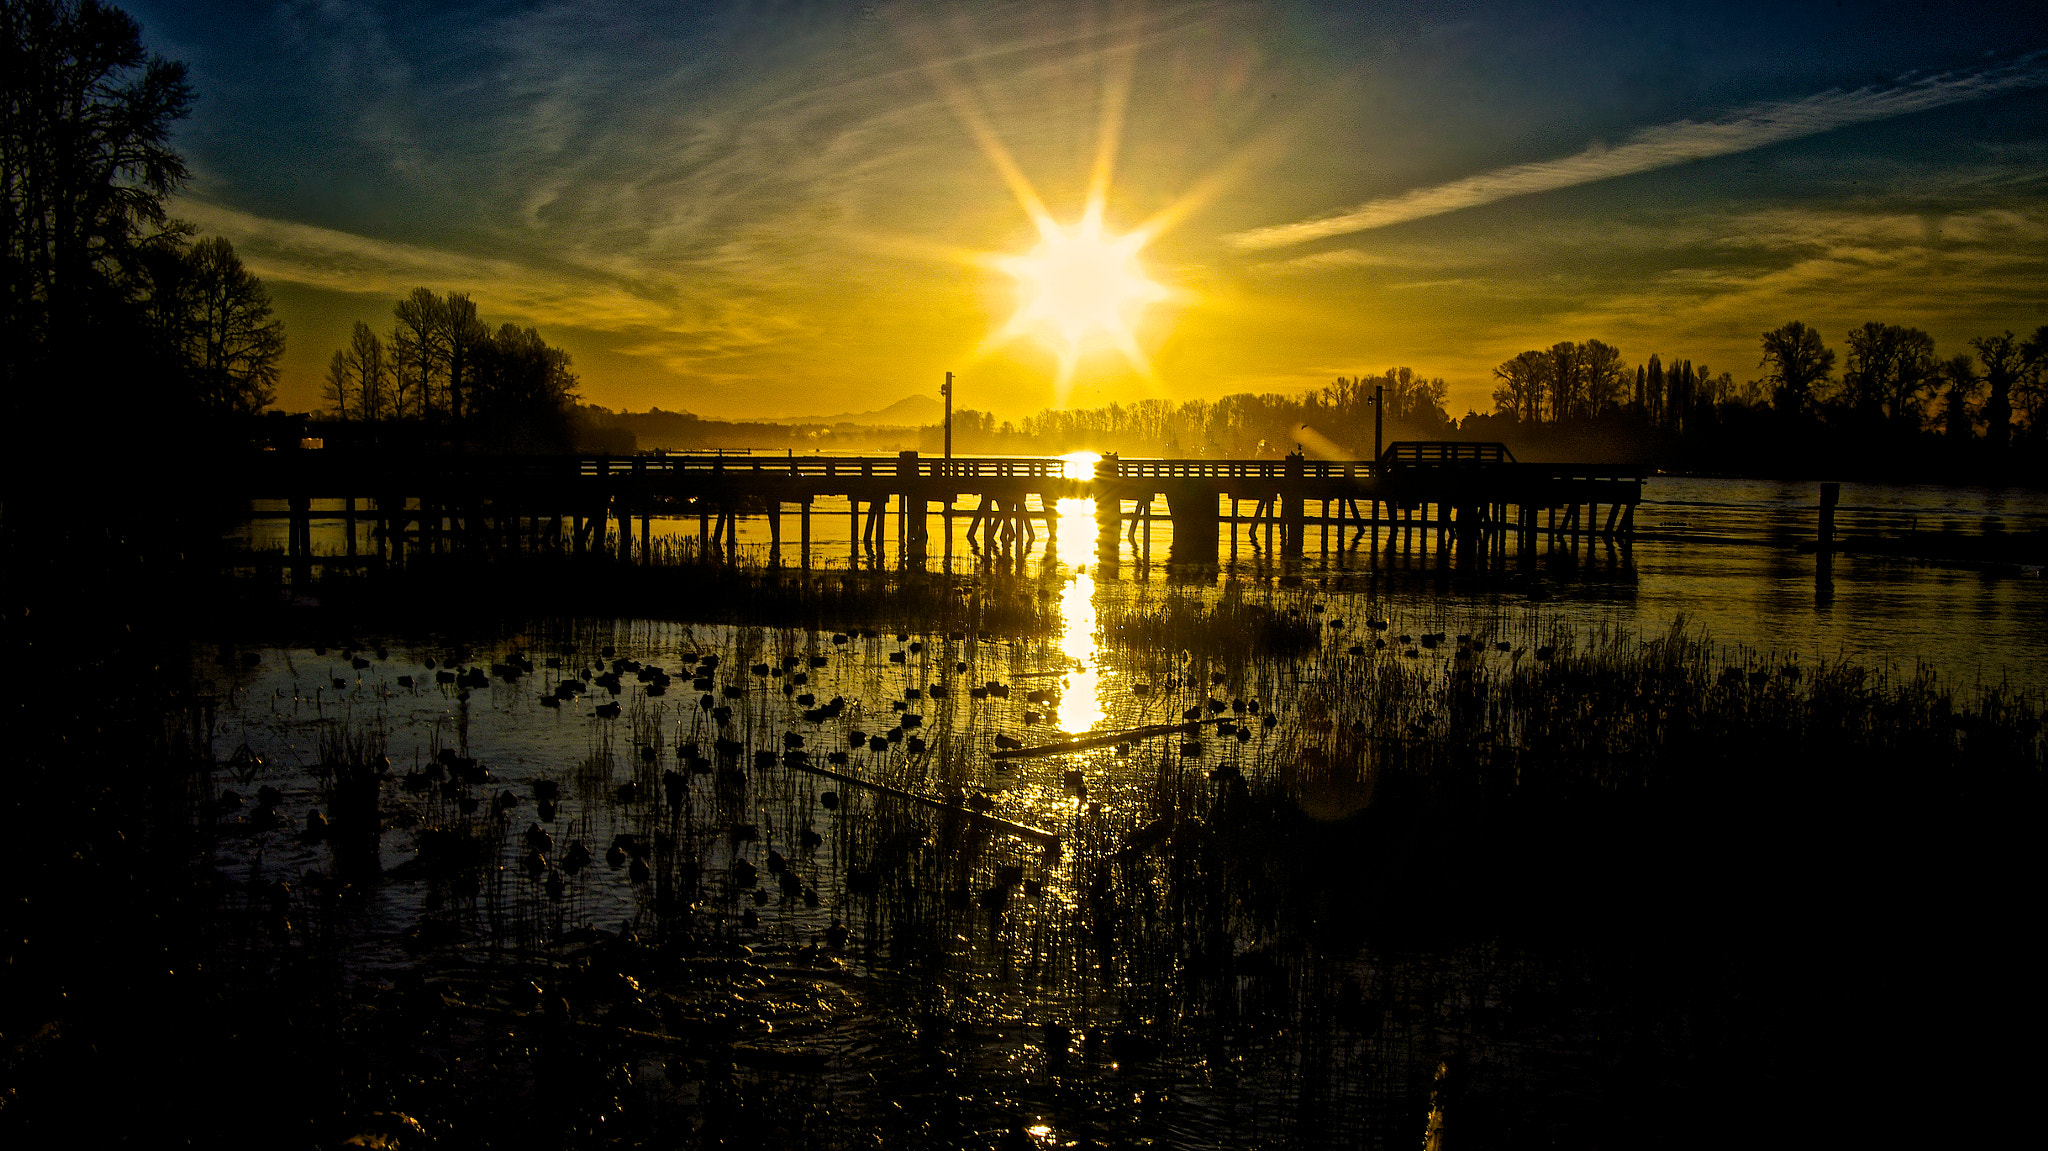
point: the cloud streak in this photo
(1664, 146)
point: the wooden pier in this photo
(1471, 499)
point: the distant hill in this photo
(908, 412)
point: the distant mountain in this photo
(910, 411)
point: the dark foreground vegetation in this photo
(1530, 889)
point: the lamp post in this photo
(946, 390)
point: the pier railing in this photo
(1440, 452)
(825, 467)
(1281, 469)
(298, 470)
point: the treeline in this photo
(105, 299)
(1898, 409)
(443, 376)
(603, 430)
(1243, 426)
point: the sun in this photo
(1081, 285)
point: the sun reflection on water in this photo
(1081, 702)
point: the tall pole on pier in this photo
(1379, 407)
(947, 391)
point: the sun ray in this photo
(969, 112)
(1116, 92)
(1259, 153)
(1083, 287)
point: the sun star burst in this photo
(1080, 285)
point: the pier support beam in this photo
(1293, 513)
(1192, 510)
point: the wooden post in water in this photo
(804, 526)
(1830, 494)
(1824, 545)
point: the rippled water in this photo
(1720, 551)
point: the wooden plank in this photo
(1093, 741)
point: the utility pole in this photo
(1379, 407)
(947, 391)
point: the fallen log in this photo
(1016, 829)
(1087, 742)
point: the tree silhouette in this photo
(1890, 368)
(357, 377)
(1600, 374)
(1524, 381)
(419, 352)
(2005, 363)
(463, 337)
(85, 167)
(2032, 383)
(523, 392)
(1799, 365)
(232, 342)
(1958, 384)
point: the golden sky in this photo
(810, 209)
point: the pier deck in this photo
(1468, 496)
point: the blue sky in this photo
(795, 208)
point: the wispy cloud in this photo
(327, 258)
(1664, 146)
(1336, 258)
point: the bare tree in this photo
(1800, 365)
(2032, 384)
(2005, 364)
(1564, 380)
(464, 337)
(1600, 374)
(419, 351)
(1524, 381)
(85, 169)
(358, 377)
(235, 341)
(1890, 371)
(341, 384)
(523, 391)
(1958, 384)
